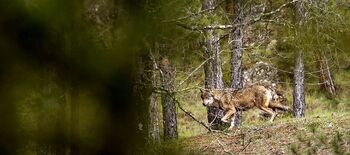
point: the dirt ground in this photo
(326, 134)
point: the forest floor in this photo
(317, 133)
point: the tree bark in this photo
(153, 124)
(329, 80)
(153, 127)
(143, 94)
(213, 68)
(325, 76)
(237, 54)
(298, 93)
(168, 102)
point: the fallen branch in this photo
(192, 116)
(224, 147)
(198, 121)
(245, 146)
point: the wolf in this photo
(231, 100)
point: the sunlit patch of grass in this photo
(191, 101)
(318, 106)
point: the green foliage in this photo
(313, 127)
(49, 44)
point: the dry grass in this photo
(328, 133)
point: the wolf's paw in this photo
(231, 128)
(224, 120)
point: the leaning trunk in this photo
(325, 76)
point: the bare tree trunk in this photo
(143, 94)
(208, 67)
(168, 102)
(213, 69)
(321, 76)
(298, 93)
(325, 76)
(153, 127)
(217, 68)
(237, 53)
(213, 76)
(153, 124)
(329, 80)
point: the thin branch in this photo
(224, 147)
(196, 69)
(233, 26)
(192, 116)
(249, 141)
(194, 14)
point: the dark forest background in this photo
(123, 76)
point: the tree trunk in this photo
(329, 80)
(213, 69)
(237, 53)
(213, 76)
(153, 124)
(217, 69)
(168, 102)
(144, 94)
(325, 76)
(153, 127)
(298, 93)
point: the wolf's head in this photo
(207, 97)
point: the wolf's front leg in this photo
(232, 123)
(228, 115)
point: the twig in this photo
(224, 147)
(195, 14)
(216, 116)
(198, 121)
(192, 116)
(196, 69)
(245, 146)
(233, 26)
